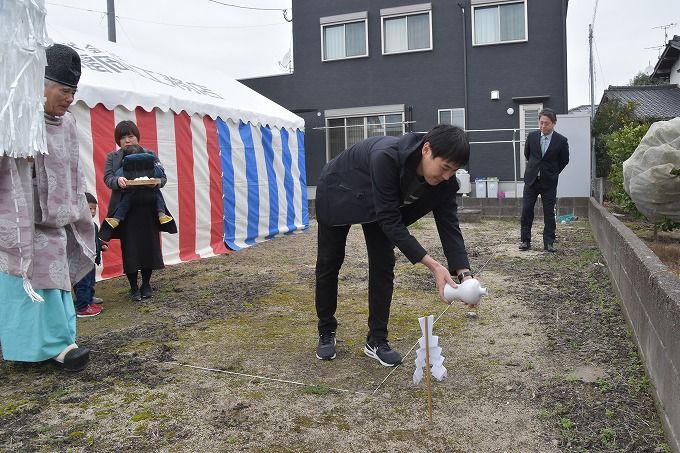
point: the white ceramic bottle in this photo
(470, 292)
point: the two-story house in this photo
(375, 67)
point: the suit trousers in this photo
(548, 195)
(381, 260)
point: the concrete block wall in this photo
(651, 303)
(509, 207)
(512, 207)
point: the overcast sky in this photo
(250, 42)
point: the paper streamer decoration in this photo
(23, 40)
(435, 353)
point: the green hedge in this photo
(619, 145)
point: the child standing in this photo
(85, 301)
(139, 163)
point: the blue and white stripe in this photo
(263, 182)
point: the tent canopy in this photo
(114, 75)
(235, 160)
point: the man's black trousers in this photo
(548, 199)
(330, 256)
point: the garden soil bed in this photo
(665, 244)
(546, 363)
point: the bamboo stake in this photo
(429, 371)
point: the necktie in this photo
(544, 144)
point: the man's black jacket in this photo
(367, 183)
(551, 164)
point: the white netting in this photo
(23, 39)
(650, 175)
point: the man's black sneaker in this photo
(382, 353)
(325, 350)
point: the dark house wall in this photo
(424, 81)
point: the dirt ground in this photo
(665, 244)
(222, 359)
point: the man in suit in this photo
(547, 153)
(385, 184)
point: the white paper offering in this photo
(435, 353)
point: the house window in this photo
(343, 132)
(499, 23)
(344, 36)
(406, 28)
(455, 117)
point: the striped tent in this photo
(235, 160)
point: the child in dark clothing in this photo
(139, 163)
(86, 302)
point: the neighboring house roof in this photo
(651, 101)
(585, 108)
(662, 70)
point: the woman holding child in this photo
(139, 226)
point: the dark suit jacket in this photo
(367, 183)
(551, 165)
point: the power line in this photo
(603, 80)
(213, 1)
(75, 7)
(125, 33)
(228, 27)
(594, 14)
(248, 7)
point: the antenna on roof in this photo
(665, 31)
(657, 48)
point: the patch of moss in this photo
(316, 389)
(11, 407)
(141, 429)
(144, 414)
(155, 396)
(58, 393)
(232, 439)
(130, 397)
(255, 395)
(302, 421)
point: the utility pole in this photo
(111, 16)
(593, 159)
(465, 76)
(591, 28)
(591, 72)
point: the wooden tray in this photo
(143, 182)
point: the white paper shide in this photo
(435, 352)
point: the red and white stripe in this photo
(188, 149)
